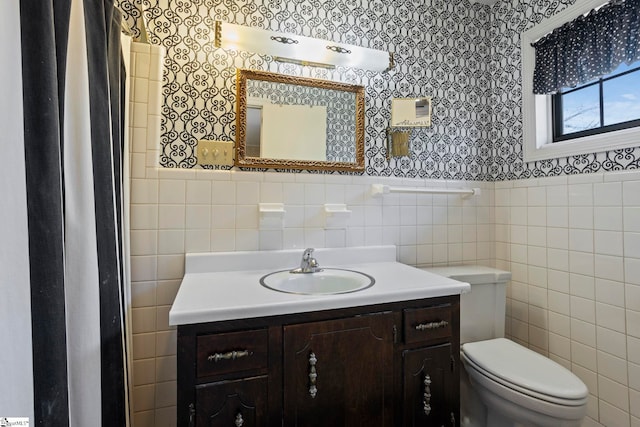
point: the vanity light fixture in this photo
(301, 50)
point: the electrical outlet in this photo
(215, 153)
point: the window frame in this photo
(537, 123)
(557, 113)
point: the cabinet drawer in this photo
(232, 352)
(427, 324)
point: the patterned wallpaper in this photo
(341, 120)
(464, 55)
(440, 49)
(509, 19)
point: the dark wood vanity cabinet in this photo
(235, 402)
(430, 363)
(392, 364)
(429, 394)
(339, 372)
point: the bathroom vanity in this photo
(387, 355)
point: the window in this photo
(538, 111)
(607, 104)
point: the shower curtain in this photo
(64, 233)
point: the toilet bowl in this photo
(516, 383)
(505, 384)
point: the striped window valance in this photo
(588, 47)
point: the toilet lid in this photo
(516, 365)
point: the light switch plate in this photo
(215, 153)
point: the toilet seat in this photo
(523, 371)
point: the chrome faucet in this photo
(308, 263)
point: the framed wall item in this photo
(282, 132)
(411, 112)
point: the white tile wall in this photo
(157, 235)
(591, 304)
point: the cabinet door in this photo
(431, 386)
(339, 372)
(241, 403)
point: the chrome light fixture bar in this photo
(304, 63)
(301, 50)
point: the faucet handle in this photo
(307, 253)
(308, 264)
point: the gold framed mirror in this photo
(289, 122)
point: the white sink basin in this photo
(329, 281)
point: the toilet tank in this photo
(482, 310)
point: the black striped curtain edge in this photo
(44, 28)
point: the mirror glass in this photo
(299, 123)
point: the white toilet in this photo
(506, 384)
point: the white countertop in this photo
(218, 286)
